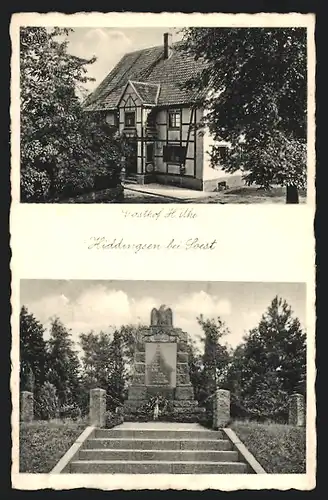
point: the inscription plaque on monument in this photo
(161, 359)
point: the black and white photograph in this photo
(162, 348)
(164, 115)
(162, 377)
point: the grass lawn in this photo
(252, 194)
(280, 449)
(43, 443)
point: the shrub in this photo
(189, 415)
(71, 411)
(167, 412)
(264, 404)
(71, 182)
(46, 404)
(84, 401)
(113, 418)
(110, 180)
(35, 185)
(146, 410)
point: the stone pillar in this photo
(26, 406)
(97, 411)
(296, 410)
(221, 408)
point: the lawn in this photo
(43, 443)
(252, 194)
(280, 449)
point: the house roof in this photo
(147, 92)
(145, 68)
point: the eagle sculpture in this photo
(162, 316)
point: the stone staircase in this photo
(175, 449)
(131, 179)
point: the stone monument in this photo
(161, 364)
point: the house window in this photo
(151, 120)
(174, 154)
(130, 119)
(174, 118)
(150, 152)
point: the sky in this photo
(110, 44)
(85, 305)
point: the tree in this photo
(216, 355)
(32, 352)
(30, 380)
(63, 148)
(94, 364)
(107, 360)
(47, 404)
(129, 334)
(253, 87)
(196, 370)
(117, 379)
(95, 359)
(271, 364)
(64, 365)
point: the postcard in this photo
(156, 345)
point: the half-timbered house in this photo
(143, 98)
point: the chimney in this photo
(167, 45)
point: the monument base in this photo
(164, 392)
(176, 411)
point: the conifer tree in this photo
(117, 379)
(271, 363)
(33, 353)
(64, 365)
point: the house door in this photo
(132, 159)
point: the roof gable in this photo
(147, 69)
(148, 92)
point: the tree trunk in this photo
(52, 173)
(292, 194)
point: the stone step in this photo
(158, 456)
(150, 467)
(158, 434)
(131, 179)
(158, 444)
